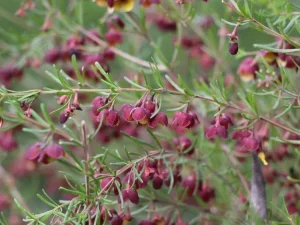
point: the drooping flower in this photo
(40, 153)
(125, 5)
(247, 69)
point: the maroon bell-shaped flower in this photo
(112, 118)
(64, 116)
(115, 23)
(51, 153)
(126, 108)
(52, 55)
(34, 151)
(38, 152)
(129, 194)
(183, 144)
(157, 181)
(165, 24)
(189, 183)
(252, 143)
(97, 103)
(206, 193)
(219, 127)
(117, 220)
(247, 69)
(114, 37)
(160, 118)
(214, 130)
(240, 134)
(140, 115)
(185, 119)
(7, 140)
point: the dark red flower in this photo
(206, 193)
(115, 22)
(157, 181)
(112, 118)
(148, 3)
(189, 183)
(140, 115)
(114, 37)
(252, 143)
(183, 144)
(97, 103)
(129, 194)
(117, 220)
(247, 69)
(160, 118)
(38, 152)
(240, 134)
(52, 55)
(126, 108)
(64, 116)
(165, 24)
(214, 130)
(109, 55)
(185, 119)
(7, 141)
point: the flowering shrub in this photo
(150, 112)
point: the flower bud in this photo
(233, 48)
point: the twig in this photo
(162, 91)
(86, 166)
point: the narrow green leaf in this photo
(174, 84)
(75, 65)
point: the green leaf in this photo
(46, 115)
(73, 156)
(79, 11)
(69, 165)
(174, 84)
(68, 212)
(285, 111)
(247, 9)
(265, 47)
(157, 75)
(138, 141)
(38, 118)
(107, 77)
(46, 201)
(133, 83)
(53, 77)
(61, 78)
(154, 138)
(31, 130)
(75, 66)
